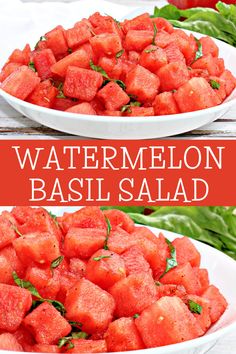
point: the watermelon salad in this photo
(93, 282)
(140, 67)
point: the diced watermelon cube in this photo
(56, 41)
(122, 335)
(119, 218)
(43, 60)
(21, 213)
(162, 39)
(106, 43)
(105, 268)
(171, 290)
(134, 57)
(44, 281)
(165, 103)
(209, 63)
(142, 83)
(82, 83)
(9, 254)
(230, 81)
(218, 303)
(9, 342)
(113, 96)
(182, 41)
(38, 247)
(46, 348)
(163, 25)
(203, 318)
(133, 294)
(7, 232)
(79, 58)
(153, 58)
(173, 75)
(24, 337)
(47, 324)
(88, 346)
(111, 66)
(138, 40)
(119, 240)
(6, 271)
(44, 94)
(220, 91)
(67, 279)
(83, 243)
(105, 24)
(139, 112)
(78, 267)
(8, 69)
(186, 252)
(135, 262)
(62, 104)
(88, 217)
(183, 275)
(21, 82)
(174, 54)
(82, 108)
(203, 277)
(141, 22)
(78, 35)
(167, 321)
(90, 305)
(112, 113)
(20, 56)
(209, 46)
(15, 302)
(196, 94)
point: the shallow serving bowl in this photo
(222, 270)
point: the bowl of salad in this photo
(140, 78)
(91, 281)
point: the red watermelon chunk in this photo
(78, 267)
(142, 83)
(88, 346)
(79, 58)
(138, 40)
(153, 58)
(202, 275)
(105, 268)
(20, 56)
(9, 342)
(112, 113)
(171, 290)
(218, 303)
(165, 103)
(44, 94)
(221, 90)
(83, 243)
(119, 218)
(62, 104)
(47, 324)
(78, 35)
(15, 302)
(106, 43)
(141, 22)
(112, 66)
(46, 348)
(162, 39)
(6, 271)
(122, 335)
(183, 275)
(163, 25)
(196, 94)
(134, 57)
(135, 262)
(7, 232)
(21, 82)
(67, 279)
(133, 294)
(174, 54)
(230, 81)
(9, 254)
(209, 63)
(209, 46)
(43, 60)
(119, 240)
(113, 96)
(203, 318)
(56, 41)
(38, 247)
(173, 75)
(8, 69)
(167, 321)
(82, 83)
(24, 337)
(90, 305)
(82, 108)
(186, 252)
(139, 112)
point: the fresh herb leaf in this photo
(65, 341)
(194, 307)
(98, 69)
(151, 50)
(119, 54)
(26, 285)
(170, 262)
(32, 66)
(120, 83)
(16, 229)
(199, 52)
(58, 306)
(168, 12)
(53, 216)
(75, 324)
(41, 39)
(56, 262)
(79, 335)
(97, 259)
(136, 315)
(61, 95)
(108, 233)
(215, 85)
(128, 107)
(155, 33)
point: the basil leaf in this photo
(127, 107)
(168, 12)
(199, 53)
(58, 306)
(16, 229)
(120, 83)
(41, 39)
(108, 233)
(155, 34)
(194, 307)
(97, 259)
(75, 324)
(32, 66)
(98, 69)
(119, 54)
(26, 285)
(53, 216)
(79, 335)
(65, 341)
(170, 262)
(136, 315)
(215, 85)
(56, 262)
(151, 50)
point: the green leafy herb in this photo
(26, 285)
(41, 39)
(79, 335)
(58, 305)
(108, 233)
(194, 307)
(120, 83)
(56, 262)
(60, 95)
(67, 341)
(75, 324)
(97, 259)
(155, 34)
(32, 66)
(158, 283)
(170, 262)
(199, 52)
(100, 70)
(119, 54)
(215, 85)
(53, 216)
(151, 50)
(136, 315)
(16, 229)
(128, 107)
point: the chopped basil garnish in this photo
(194, 307)
(67, 341)
(100, 70)
(150, 50)
(41, 39)
(75, 324)
(127, 107)
(136, 315)
(16, 229)
(108, 233)
(97, 259)
(120, 83)
(53, 216)
(214, 84)
(155, 34)
(170, 262)
(199, 52)
(119, 54)
(60, 95)
(32, 66)
(56, 262)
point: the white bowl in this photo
(222, 270)
(106, 127)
